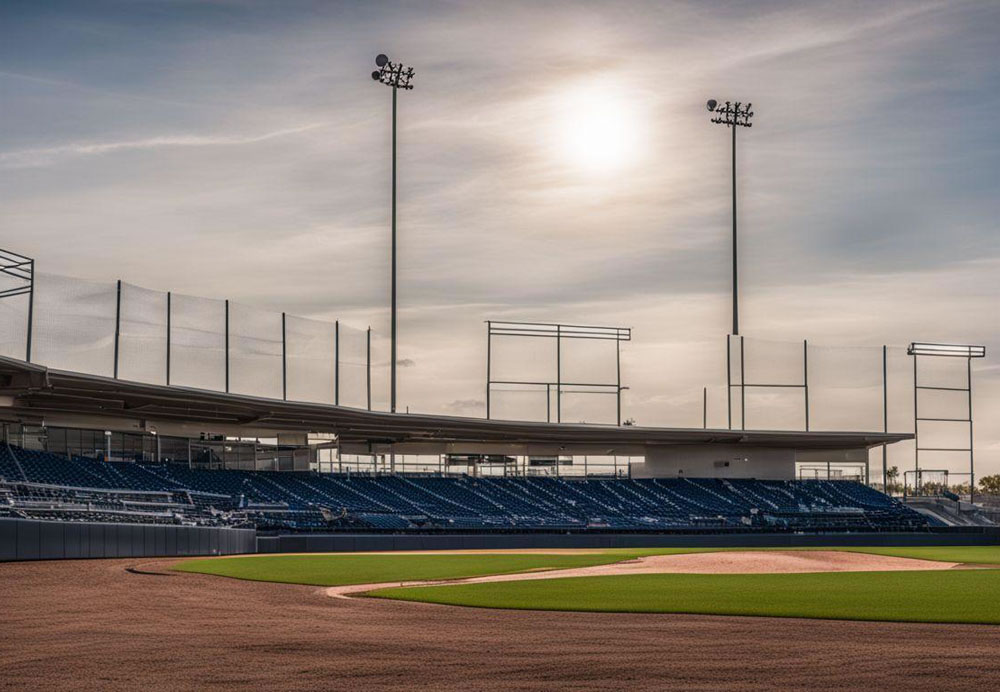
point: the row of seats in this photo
(37, 481)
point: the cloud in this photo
(49, 155)
(465, 407)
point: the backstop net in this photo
(117, 329)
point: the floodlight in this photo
(376, 75)
(381, 59)
(732, 115)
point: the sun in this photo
(598, 128)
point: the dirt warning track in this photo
(75, 625)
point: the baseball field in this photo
(924, 618)
(881, 584)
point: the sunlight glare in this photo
(598, 128)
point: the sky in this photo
(556, 163)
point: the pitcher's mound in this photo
(783, 561)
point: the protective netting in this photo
(353, 367)
(848, 387)
(588, 407)
(381, 349)
(586, 368)
(591, 361)
(523, 359)
(142, 343)
(311, 346)
(773, 374)
(773, 409)
(766, 362)
(74, 324)
(845, 388)
(198, 342)
(13, 321)
(508, 402)
(255, 351)
(183, 340)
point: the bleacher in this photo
(43, 485)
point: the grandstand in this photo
(35, 484)
(177, 418)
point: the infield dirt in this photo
(90, 624)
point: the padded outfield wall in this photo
(31, 539)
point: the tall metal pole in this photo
(729, 381)
(885, 417)
(227, 345)
(336, 363)
(732, 115)
(284, 360)
(489, 365)
(743, 389)
(704, 407)
(169, 314)
(558, 379)
(972, 469)
(618, 366)
(397, 76)
(736, 285)
(368, 362)
(805, 377)
(118, 323)
(31, 311)
(392, 395)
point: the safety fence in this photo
(121, 330)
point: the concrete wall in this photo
(30, 539)
(717, 461)
(367, 542)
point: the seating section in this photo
(39, 484)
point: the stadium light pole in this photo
(397, 76)
(732, 115)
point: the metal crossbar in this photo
(557, 331)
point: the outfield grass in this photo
(966, 596)
(354, 568)
(974, 554)
(339, 570)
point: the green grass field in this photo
(355, 568)
(967, 596)
(961, 596)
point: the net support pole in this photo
(729, 380)
(704, 408)
(31, 313)
(558, 379)
(805, 377)
(743, 387)
(368, 369)
(916, 424)
(284, 360)
(227, 345)
(489, 353)
(168, 335)
(618, 368)
(885, 416)
(336, 363)
(972, 466)
(118, 323)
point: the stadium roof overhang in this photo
(34, 394)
